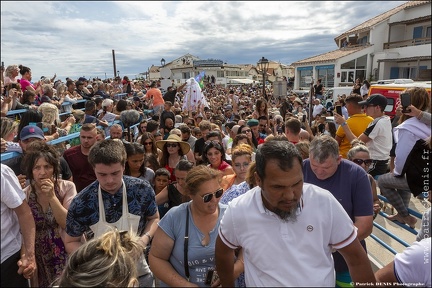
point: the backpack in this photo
(417, 167)
(75, 128)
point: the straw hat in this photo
(185, 147)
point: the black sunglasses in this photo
(209, 196)
(367, 162)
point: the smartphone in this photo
(209, 277)
(304, 118)
(405, 102)
(339, 110)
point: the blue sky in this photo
(76, 38)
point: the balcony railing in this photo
(406, 43)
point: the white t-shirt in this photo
(278, 253)
(12, 196)
(317, 109)
(413, 266)
(380, 133)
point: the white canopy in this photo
(240, 81)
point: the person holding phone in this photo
(393, 185)
(377, 136)
(357, 122)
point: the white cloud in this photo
(75, 38)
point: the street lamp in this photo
(162, 62)
(263, 65)
(118, 73)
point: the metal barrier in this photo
(387, 232)
(21, 111)
(9, 155)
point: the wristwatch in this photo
(344, 123)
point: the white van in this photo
(331, 95)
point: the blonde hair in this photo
(10, 69)
(106, 261)
(303, 148)
(7, 126)
(50, 113)
(240, 150)
(61, 89)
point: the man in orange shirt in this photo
(357, 122)
(154, 95)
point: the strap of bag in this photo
(186, 243)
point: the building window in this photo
(220, 74)
(303, 75)
(326, 76)
(186, 75)
(354, 69)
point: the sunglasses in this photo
(246, 131)
(367, 162)
(173, 145)
(209, 196)
(148, 143)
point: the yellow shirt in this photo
(358, 124)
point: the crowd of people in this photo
(222, 186)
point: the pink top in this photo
(224, 165)
(25, 83)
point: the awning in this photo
(240, 81)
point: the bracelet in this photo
(344, 123)
(420, 115)
(148, 235)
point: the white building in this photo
(187, 66)
(395, 44)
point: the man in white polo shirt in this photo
(287, 229)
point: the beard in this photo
(287, 216)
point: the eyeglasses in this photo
(168, 145)
(367, 162)
(209, 196)
(246, 131)
(148, 143)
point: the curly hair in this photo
(106, 261)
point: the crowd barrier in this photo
(392, 235)
(21, 111)
(9, 155)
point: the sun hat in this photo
(185, 147)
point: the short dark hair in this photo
(152, 125)
(107, 152)
(90, 105)
(184, 128)
(284, 152)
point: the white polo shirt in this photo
(12, 196)
(278, 253)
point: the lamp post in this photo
(263, 65)
(118, 73)
(162, 62)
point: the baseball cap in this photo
(375, 99)
(31, 131)
(252, 122)
(82, 79)
(136, 98)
